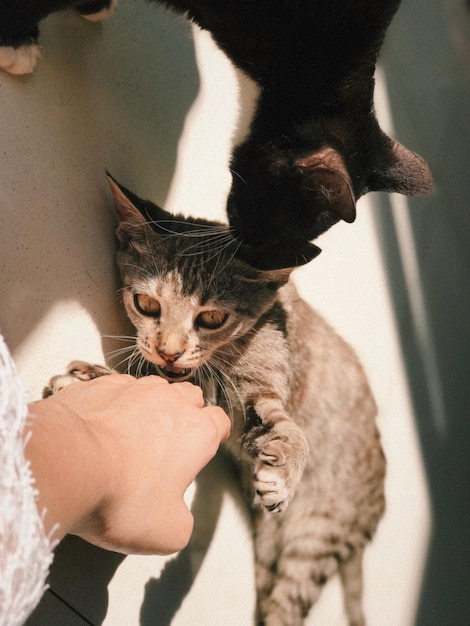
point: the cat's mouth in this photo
(174, 373)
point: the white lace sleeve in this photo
(25, 550)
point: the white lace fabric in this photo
(25, 550)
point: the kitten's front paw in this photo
(21, 60)
(271, 489)
(77, 371)
(278, 465)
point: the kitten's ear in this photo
(327, 177)
(129, 216)
(280, 276)
(274, 276)
(401, 171)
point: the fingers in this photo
(220, 420)
(192, 395)
(189, 392)
(186, 391)
(149, 391)
(200, 441)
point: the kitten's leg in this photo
(312, 548)
(267, 542)
(278, 449)
(297, 587)
(97, 10)
(306, 561)
(77, 371)
(352, 579)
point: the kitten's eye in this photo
(211, 319)
(147, 305)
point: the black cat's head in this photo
(285, 193)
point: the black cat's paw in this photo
(77, 371)
(21, 59)
(97, 10)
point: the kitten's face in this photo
(187, 294)
(179, 330)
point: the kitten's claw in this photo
(271, 489)
(21, 60)
(77, 371)
(86, 371)
(278, 465)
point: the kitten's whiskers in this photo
(221, 377)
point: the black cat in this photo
(314, 145)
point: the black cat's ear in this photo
(129, 216)
(400, 171)
(328, 180)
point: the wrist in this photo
(65, 461)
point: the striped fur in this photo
(303, 415)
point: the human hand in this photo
(114, 456)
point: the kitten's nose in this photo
(169, 358)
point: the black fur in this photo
(314, 146)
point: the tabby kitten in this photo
(314, 146)
(303, 416)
